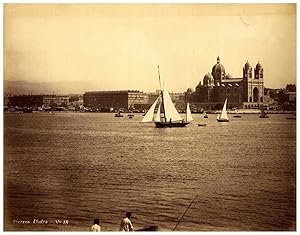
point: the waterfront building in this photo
(125, 99)
(38, 101)
(242, 92)
(137, 100)
(6, 100)
(55, 100)
(62, 100)
(289, 100)
(25, 101)
(153, 96)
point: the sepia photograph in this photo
(149, 117)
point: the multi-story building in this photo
(37, 100)
(49, 100)
(137, 100)
(26, 101)
(55, 100)
(99, 100)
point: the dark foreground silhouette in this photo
(151, 228)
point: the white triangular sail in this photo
(150, 114)
(224, 112)
(170, 110)
(157, 116)
(189, 117)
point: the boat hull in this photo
(222, 120)
(172, 124)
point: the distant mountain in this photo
(23, 87)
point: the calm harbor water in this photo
(73, 167)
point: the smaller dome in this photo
(228, 76)
(247, 65)
(258, 66)
(208, 79)
(208, 76)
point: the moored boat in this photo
(118, 114)
(130, 115)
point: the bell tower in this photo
(253, 86)
(259, 71)
(247, 71)
(259, 78)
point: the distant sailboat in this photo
(223, 117)
(166, 114)
(189, 116)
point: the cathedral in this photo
(243, 92)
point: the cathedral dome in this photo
(218, 68)
(208, 79)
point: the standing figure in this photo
(96, 227)
(126, 224)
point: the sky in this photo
(119, 46)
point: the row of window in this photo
(256, 75)
(228, 90)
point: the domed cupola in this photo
(247, 70)
(208, 80)
(247, 65)
(259, 71)
(218, 71)
(258, 66)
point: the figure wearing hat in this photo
(126, 224)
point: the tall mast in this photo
(186, 110)
(159, 77)
(162, 96)
(186, 94)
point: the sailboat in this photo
(223, 117)
(166, 114)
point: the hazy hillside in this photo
(25, 87)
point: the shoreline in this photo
(241, 111)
